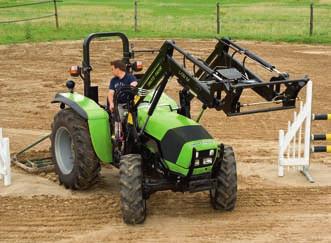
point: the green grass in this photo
(282, 20)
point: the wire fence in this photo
(55, 14)
(24, 4)
(24, 20)
(312, 20)
(186, 18)
(268, 21)
(227, 16)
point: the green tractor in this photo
(163, 148)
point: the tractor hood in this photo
(178, 136)
(165, 117)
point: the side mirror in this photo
(75, 71)
(137, 66)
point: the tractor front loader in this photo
(163, 148)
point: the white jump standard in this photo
(5, 172)
(291, 142)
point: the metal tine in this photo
(143, 92)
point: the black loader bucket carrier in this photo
(219, 81)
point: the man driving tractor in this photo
(121, 78)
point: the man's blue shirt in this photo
(115, 84)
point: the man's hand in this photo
(111, 106)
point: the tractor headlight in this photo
(207, 161)
(203, 158)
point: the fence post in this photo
(311, 29)
(136, 15)
(218, 17)
(55, 14)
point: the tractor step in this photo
(196, 184)
(201, 185)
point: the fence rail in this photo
(27, 4)
(55, 14)
(23, 20)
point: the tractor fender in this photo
(97, 119)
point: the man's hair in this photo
(118, 64)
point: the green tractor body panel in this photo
(162, 120)
(98, 122)
(165, 100)
(179, 137)
(185, 159)
(101, 139)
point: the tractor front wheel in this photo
(131, 189)
(75, 161)
(224, 196)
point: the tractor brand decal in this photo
(154, 76)
(202, 142)
(184, 76)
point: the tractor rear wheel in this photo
(224, 196)
(75, 161)
(131, 189)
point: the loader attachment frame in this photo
(220, 80)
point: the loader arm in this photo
(219, 81)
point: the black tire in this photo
(131, 189)
(83, 169)
(224, 196)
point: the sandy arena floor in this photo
(269, 209)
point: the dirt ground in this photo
(269, 209)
